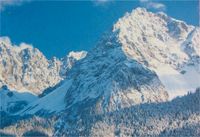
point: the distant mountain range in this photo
(26, 69)
(128, 85)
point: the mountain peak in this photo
(148, 38)
(25, 69)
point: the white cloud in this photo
(101, 2)
(5, 3)
(155, 5)
(150, 4)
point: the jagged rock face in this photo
(107, 80)
(165, 45)
(120, 71)
(155, 38)
(24, 68)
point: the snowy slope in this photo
(12, 101)
(53, 102)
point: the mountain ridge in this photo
(25, 69)
(124, 58)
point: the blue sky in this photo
(59, 27)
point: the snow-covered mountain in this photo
(165, 45)
(26, 73)
(124, 84)
(25, 69)
(142, 57)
